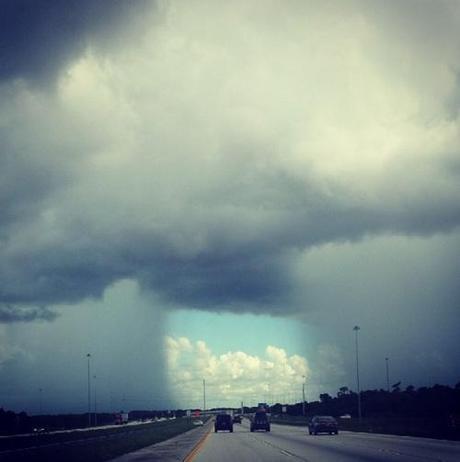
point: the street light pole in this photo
(356, 329)
(41, 400)
(303, 395)
(88, 356)
(204, 395)
(95, 401)
(388, 373)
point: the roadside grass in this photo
(290, 420)
(93, 446)
(438, 428)
(390, 425)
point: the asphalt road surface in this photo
(288, 443)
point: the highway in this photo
(289, 443)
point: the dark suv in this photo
(223, 422)
(323, 424)
(260, 422)
(236, 418)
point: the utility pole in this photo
(388, 374)
(356, 329)
(89, 390)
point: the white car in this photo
(198, 423)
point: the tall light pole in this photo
(41, 400)
(303, 395)
(388, 373)
(88, 356)
(356, 329)
(204, 395)
(95, 401)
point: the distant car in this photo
(237, 418)
(223, 422)
(40, 430)
(198, 423)
(260, 421)
(323, 424)
(121, 418)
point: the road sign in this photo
(284, 409)
(189, 412)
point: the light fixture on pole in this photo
(88, 356)
(356, 329)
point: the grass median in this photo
(90, 446)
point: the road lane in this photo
(293, 443)
(241, 445)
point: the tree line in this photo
(435, 401)
(438, 403)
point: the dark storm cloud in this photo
(244, 266)
(25, 182)
(39, 37)
(249, 274)
(229, 282)
(9, 313)
(203, 174)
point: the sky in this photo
(222, 191)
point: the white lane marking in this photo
(281, 450)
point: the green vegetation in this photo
(390, 425)
(94, 446)
(432, 412)
(399, 425)
(290, 420)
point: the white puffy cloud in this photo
(232, 377)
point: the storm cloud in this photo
(204, 153)
(12, 314)
(39, 38)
